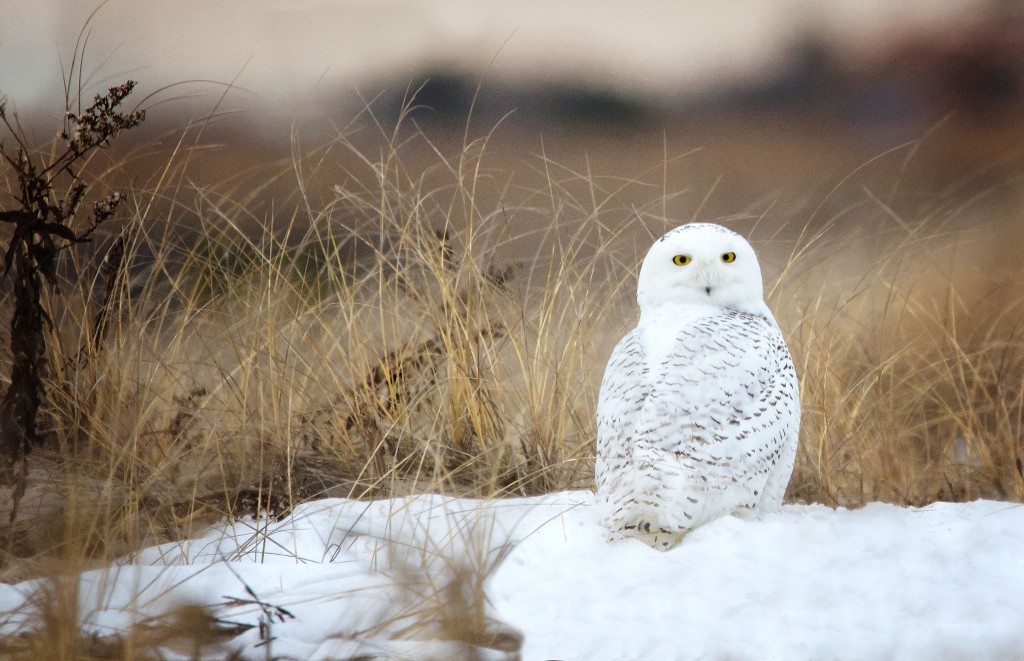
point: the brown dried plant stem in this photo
(42, 228)
(24, 395)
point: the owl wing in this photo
(624, 389)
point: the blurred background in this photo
(449, 151)
(758, 109)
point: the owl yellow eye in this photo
(681, 260)
(729, 257)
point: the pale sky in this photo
(296, 49)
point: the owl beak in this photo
(709, 279)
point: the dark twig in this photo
(44, 224)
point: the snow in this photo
(341, 578)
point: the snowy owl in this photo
(699, 408)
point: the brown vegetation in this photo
(434, 324)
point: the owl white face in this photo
(701, 264)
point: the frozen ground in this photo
(341, 579)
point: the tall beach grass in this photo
(432, 323)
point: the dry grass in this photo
(909, 345)
(443, 328)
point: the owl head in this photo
(701, 264)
